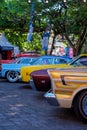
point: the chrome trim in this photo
(32, 84)
(51, 99)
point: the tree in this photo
(70, 18)
(65, 19)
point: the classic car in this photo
(12, 70)
(42, 63)
(30, 54)
(40, 79)
(69, 86)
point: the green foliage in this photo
(35, 45)
(65, 18)
(16, 38)
(19, 39)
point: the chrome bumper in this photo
(51, 99)
(32, 84)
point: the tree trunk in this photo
(52, 47)
(80, 42)
(70, 43)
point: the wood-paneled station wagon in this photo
(69, 86)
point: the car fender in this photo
(74, 95)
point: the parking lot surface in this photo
(22, 108)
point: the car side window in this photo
(50, 61)
(56, 61)
(63, 61)
(59, 61)
(23, 61)
(27, 61)
(39, 62)
(47, 60)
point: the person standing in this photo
(45, 41)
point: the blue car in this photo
(12, 71)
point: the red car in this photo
(27, 55)
(7, 61)
(40, 80)
(20, 55)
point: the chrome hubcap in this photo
(13, 75)
(84, 105)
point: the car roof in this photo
(26, 57)
(48, 56)
(83, 55)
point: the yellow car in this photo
(69, 86)
(27, 70)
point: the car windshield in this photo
(24, 60)
(79, 61)
(16, 60)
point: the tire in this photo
(80, 106)
(12, 76)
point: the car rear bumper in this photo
(51, 99)
(32, 84)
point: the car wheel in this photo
(80, 106)
(12, 76)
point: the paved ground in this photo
(22, 108)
